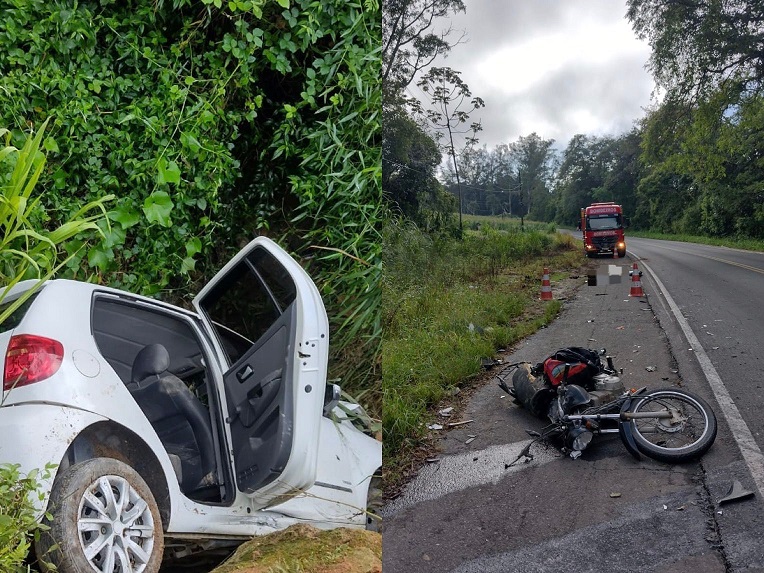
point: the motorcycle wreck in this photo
(582, 398)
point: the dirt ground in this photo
(302, 548)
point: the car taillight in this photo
(30, 359)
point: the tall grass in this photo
(448, 303)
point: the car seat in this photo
(180, 420)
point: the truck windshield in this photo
(604, 222)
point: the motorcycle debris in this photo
(435, 427)
(446, 411)
(736, 492)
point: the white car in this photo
(176, 431)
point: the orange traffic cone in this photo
(636, 284)
(546, 286)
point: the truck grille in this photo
(605, 243)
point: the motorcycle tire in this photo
(668, 440)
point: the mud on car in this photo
(177, 431)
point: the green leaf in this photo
(98, 257)
(283, 3)
(126, 216)
(169, 172)
(50, 145)
(187, 265)
(193, 246)
(191, 142)
(158, 207)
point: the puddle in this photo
(612, 275)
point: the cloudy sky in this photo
(556, 67)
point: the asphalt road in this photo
(698, 327)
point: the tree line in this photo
(693, 164)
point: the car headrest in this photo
(152, 360)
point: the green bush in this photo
(18, 524)
(212, 122)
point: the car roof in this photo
(55, 286)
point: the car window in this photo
(248, 301)
(122, 328)
(14, 319)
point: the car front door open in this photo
(269, 321)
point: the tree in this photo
(699, 45)
(448, 93)
(410, 157)
(625, 171)
(408, 43)
(534, 161)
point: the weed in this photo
(446, 305)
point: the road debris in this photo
(446, 411)
(615, 494)
(469, 441)
(435, 427)
(453, 424)
(736, 492)
(650, 368)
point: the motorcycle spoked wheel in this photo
(683, 438)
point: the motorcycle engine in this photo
(606, 389)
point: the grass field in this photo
(447, 304)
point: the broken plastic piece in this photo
(736, 492)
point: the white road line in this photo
(473, 468)
(752, 455)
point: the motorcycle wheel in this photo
(681, 439)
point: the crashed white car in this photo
(176, 431)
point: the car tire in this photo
(99, 511)
(374, 504)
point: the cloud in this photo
(554, 67)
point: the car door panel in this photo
(268, 319)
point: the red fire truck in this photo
(602, 227)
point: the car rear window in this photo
(13, 320)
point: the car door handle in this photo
(244, 373)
